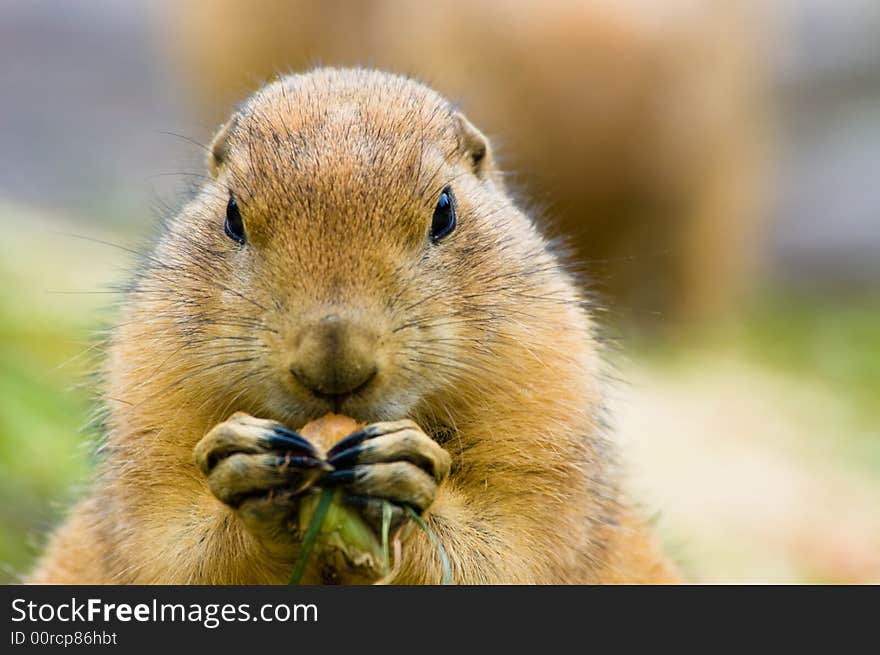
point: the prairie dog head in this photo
(354, 251)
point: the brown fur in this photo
(486, 344)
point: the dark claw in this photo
(346, 476)
(354, 439)
(346, 458)
(280, 438)
(300, 462)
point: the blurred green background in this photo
(751, 432)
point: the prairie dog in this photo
(354, 251)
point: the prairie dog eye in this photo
(234, 225)
(443, 222)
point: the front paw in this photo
(391, 461)
(260, 469)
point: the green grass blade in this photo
(386, 527)
(444, 558)
(311, 535)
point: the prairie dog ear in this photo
(476, 146)
(220, 146)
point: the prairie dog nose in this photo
(334, 356)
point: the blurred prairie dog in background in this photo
(638, 127)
